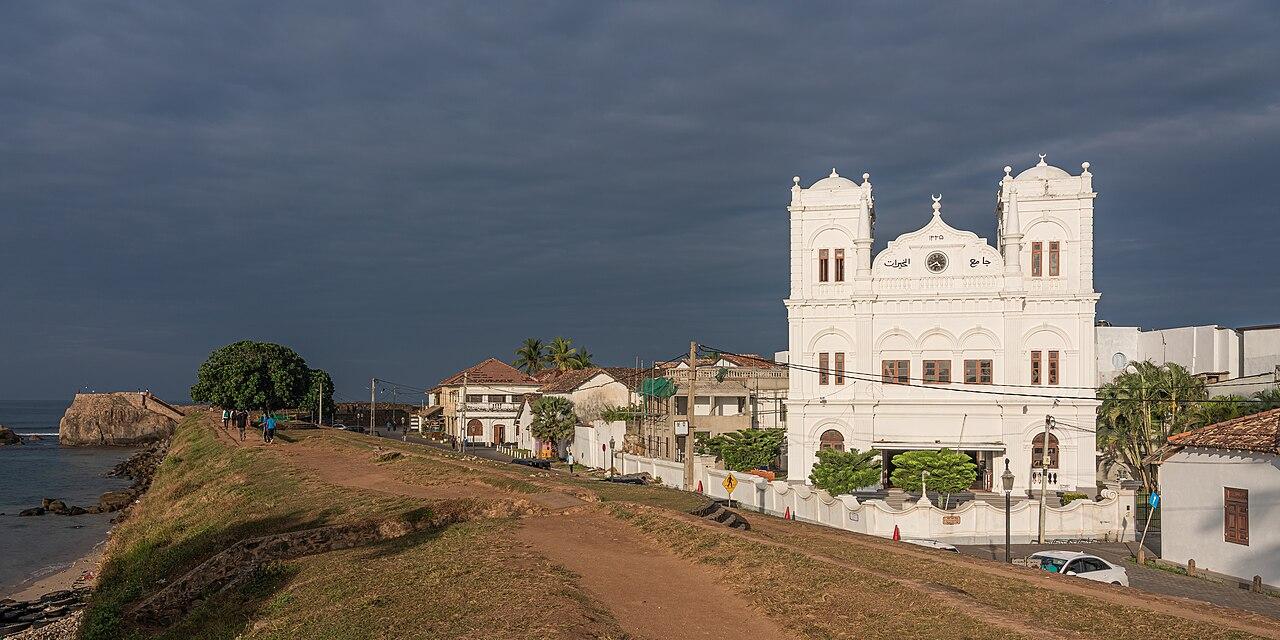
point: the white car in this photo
(1082, 565)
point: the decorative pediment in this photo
(938, 250)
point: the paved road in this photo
(473, 450)
(1145, 578)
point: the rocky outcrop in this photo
(8, 437)
(37, 617)
(117, 419)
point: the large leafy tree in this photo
(320, 385)
(949, 471)
(746, 449)
(1141, 408)
(553, 419)
(839, 472)
(252, 375)
(531, 357)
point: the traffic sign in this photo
(730, 483)
(1154, 500)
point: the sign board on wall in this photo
(950, 519)
(682, 427)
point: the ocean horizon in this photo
(37, 546)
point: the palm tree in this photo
(531, 356)
(561, 354)
(1141, 409)
(553, 420)
(582, 360)
(1224, 408)
(1267, 399)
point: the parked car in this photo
(932, 544)
(1082, 565)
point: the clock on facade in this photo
(936, 262)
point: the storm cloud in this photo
(402, 189)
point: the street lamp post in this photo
(611, 446)
(1006, 481)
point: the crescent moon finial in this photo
(1042, 157)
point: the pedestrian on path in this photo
(571, 465)
(226, 418)
(242, 422)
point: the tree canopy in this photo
(560, 353)
(252, 375)
(745, 449)
(531, 357)
(949, 471)
(319, 385)
(553, 419)
(840, 472)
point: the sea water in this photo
(36, 546)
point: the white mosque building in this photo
(942, 340)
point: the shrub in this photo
(1071, 496)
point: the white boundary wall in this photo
(976, 522)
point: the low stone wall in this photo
(976, 522)
(117, 419)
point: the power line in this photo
(879, 379)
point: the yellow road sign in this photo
(730, 483)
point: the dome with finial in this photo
(833, 181)
(1042, 171)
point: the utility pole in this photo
(320, 403)
(1044, 472)
(373, 403)
(462, 416)
(688, 438)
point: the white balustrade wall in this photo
(1110, 518)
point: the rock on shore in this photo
(8, 437)
(117, 419)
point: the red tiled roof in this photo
(491, 371)
(1258, 432)
(569, 380)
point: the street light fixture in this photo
(1006, 481)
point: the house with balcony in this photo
(480, 403)
(731, 392)
(592, 391)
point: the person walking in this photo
(571, 464)
(242, 422)
(226, 418)
(269, 432)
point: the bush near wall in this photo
(1071, 496)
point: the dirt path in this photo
(652, 593)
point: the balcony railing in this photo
(510, 407)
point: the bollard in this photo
(1256, 587)
(1191, 567)
(1142, 555)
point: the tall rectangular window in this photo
(1235, 515)
(978, 371)
(1037, 257)
(824, 366)
(839, 367)
(823, 263)
(839, 265)
(1054, 259)
(895, 371)
(1053, 367)
(937, 371)
(1035, 367)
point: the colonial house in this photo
(482, 402)
(593, 391)
(731, 392)
(942, 340)
(1220, 498)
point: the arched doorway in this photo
(831, 439)
(1037, 451)
(499, 434)
(475, 429)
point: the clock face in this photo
(936, 262)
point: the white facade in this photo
(942, 295)
(1193, 484)
(1202, 349)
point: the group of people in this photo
(240, 418)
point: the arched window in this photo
(831, 439)
(475, 428)
(1037, 451)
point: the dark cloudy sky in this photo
(401, 190)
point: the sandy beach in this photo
(80, 573)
